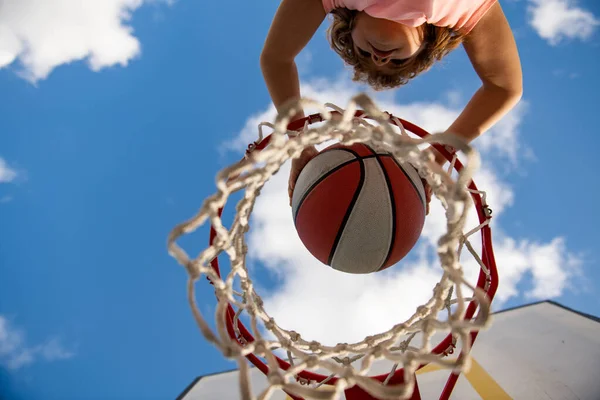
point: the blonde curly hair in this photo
(438, 42)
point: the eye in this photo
(363, 53)
(398, 62)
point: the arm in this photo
(493, 52)
(295, 23)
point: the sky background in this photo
(115, 116)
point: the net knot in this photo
(377, 351)
(259, 347)
(220, 242)
(422, 311)
(448, 302)
(231, 350)
(314, 345)
(341, 348)
(400, 327)
(403, 345)
(192, 270)
(270, 324)
(276, 379)
(221, 292)
(312, 361)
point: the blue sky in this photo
(114, 119)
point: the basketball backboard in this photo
(538, 351)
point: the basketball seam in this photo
(374, 154)
(355, 154)
(337, 168)
(410, 180)
(348, 212)
(371, 150)
(393, 205)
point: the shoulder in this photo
(472, 11)
(330, 5)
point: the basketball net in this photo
(466, 307)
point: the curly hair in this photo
(438, 42)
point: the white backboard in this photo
(538, 351)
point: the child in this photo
(389, 42)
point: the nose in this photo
(380, 57)
(379, 61)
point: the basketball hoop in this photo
(345, 374)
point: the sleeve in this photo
(476, 16)
(328, 5)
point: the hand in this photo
(297, 165)
(438, 157)
(440, 160)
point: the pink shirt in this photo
(461, 15)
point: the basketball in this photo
(357, 210)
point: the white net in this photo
(445, 311)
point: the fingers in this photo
(290, 192)
(292, 183)
(297, 165)
(428, 193)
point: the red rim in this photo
(487, 257)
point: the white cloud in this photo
(53, 350)
(550, 266)
(325, 305)
(503, 138)
(7, 174)
(43, 35)
(559, 73)
(15, 353)
(556, 20)
(454, 97)
(304, 62)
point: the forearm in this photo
(282, 81)
(486, 107)
(283, 84)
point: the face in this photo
(385, 42)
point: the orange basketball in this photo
(356, 210)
